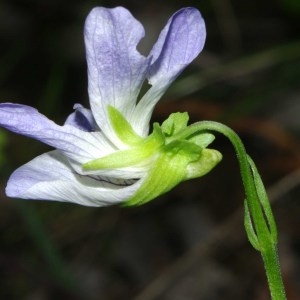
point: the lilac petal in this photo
(50, 177)
(116, 70)
(82, 119)
(179, 43)
(76, 144)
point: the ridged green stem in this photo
(259, 221)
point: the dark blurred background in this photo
(190, 243)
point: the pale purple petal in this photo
(50, 177)
(116, 70)
(82, 119)
(76, 144)
(179, 43)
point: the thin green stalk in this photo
(259, 221)
(272, 267)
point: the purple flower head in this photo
(116, 72)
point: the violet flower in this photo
(105, 155)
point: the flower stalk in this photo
(259, 221)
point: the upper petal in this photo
(116, 70)
(51, 177)
(78, 145)
(179, 43)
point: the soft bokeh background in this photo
(190, 243)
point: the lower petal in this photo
(50, 177)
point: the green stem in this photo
(272, 267)
(263, 234)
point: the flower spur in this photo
(105, 155)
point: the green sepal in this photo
(202, 140)
(208, 159)
(168, 170)
(183, 147)
(122, 127)
(175, 123)
(130, 157)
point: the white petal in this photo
(50, 177)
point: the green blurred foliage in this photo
(291, 6)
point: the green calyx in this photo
(167, 158)
(133, 156)
(177, 162)
(122, 127)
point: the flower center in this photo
(167, 158)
